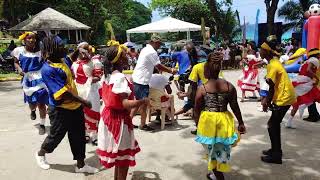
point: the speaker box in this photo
(263, 32)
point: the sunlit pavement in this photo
(170, 154)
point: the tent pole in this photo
(77, 36)
(128, 37)
(80, 35)
(69, 34)
(188, 35)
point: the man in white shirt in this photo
(226, 57)
(147, 61)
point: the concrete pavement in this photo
(170, 154)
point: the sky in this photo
(247, 8)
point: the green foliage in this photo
(193, 10)
(293, 13)
(123, 14)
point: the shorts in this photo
(140, 91)
(189, 105)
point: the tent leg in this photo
(69, 35)
(188, 36)
(77, 37)
(128, 37)
(80, 35)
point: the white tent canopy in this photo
(165, 25)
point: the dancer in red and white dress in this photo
(117, 145)
(249, 78)
(87, 74)
(306, 85)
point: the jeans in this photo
(66, 121)
(274, 128)
(140, 91)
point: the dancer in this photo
(249, 79)
(116, 142)
(28, 62)
(281, 94)
(65, 109)
(215, 123)
(87, 77)
(306, 85)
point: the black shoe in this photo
(270, 159)
(269, 152)
(42, 130)
(194, 132)
(146, 128)
(95, 142)
(135, 126)
(33, 115)
(309, 119)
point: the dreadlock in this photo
(109, 54)
(213, 65)
(52, 48)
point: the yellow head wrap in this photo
(266, 47)
(121, 48)
(24, 35)
(313, 52)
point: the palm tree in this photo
(293, 13)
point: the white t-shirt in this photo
(158, 81)
(147, 60)
(226, 54)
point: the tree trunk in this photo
(213, 6)
(271, 6)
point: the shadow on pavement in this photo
(7, 87)
(145, 175)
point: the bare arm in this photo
(17, 66)
(234, 104)
(199, 104)
(161, 67)
(130, 104)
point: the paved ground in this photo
(171, 154)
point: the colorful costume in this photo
(216, 131)
(249, 79)
(84, 72)
(307, 93)
(116, 142)
(35, 91)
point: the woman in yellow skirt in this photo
(216, 129)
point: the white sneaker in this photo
(87, 169)
(42, 162)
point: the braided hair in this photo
(213, 65)
(53, 48)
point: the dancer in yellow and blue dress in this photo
(28, 62)
(215, 123)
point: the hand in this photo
(87, 104)
(316, 82)
(174, 71)
(21, 73)
(242, 129)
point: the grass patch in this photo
(9, 75)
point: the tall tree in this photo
(293, 13)
(271, 7)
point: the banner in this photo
(256, 28)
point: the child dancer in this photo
(87, 76)
(215, 123)
(65, 109)
(249, 79)
(116, 142)
(305, 85)
(28, 62)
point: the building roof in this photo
(49, 19)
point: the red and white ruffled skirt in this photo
(306, 92)
(117, 145)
